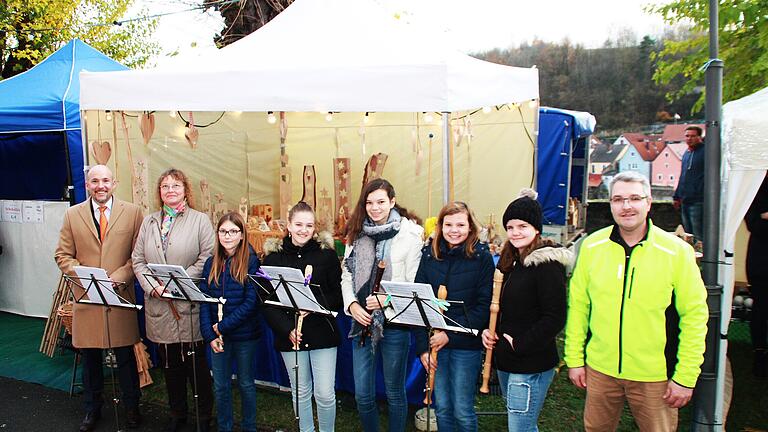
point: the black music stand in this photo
(107, 297)
(293, 291)
(186, 291)
(403, 296)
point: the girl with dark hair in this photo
(457, 259)
(532, 312)
(319, 335)
(177, 234)
(234, 336)
(378, 230)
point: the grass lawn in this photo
(562, 411)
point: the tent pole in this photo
(69, 192)
(447, 159)
(708, 396)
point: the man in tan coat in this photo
(101, 232)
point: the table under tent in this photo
(303, 107)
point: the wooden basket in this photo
(65, 312)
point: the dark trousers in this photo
(759, 324)
(93, 377)
(176, 361)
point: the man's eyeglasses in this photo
(632, 199)
(230, 233)
(176, 187)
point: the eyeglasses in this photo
(175, 187)
(632, 199)
(229, 233)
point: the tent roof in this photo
(45, 98)
(583, 122)
(745, 131)
(331, 55)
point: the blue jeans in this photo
(524, 394)
(692, 217)
(455, 388)
(394, 352)
(317, 371)
(242, 353)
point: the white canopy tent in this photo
(744, 166)
(340, 56)
(331, 55)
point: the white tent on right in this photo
(744, 166)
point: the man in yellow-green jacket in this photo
(637, 317)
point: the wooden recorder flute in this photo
(498, 277)
(307, 277)
(381, 266)
(442, 294)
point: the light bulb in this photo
(172, 114)
(366, 118)
(271, 119)
(329, 116)
(428, 117)
(532, 103)
(108, 116)
(486, 109)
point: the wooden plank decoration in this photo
(205, 198)
(375, 167)
(341, 195)
(138, 169)
(285, 172)
(324, 211)
(310, 184)
(147, 126)
(53, 323)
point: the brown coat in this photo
(79, 245)
(190, 243)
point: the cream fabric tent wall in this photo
(239, 156)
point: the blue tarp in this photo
(563, 136)
(40, 121)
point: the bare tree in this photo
(244, 17)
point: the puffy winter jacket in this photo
(241, 310)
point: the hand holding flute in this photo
(489, 334)
(295, 335)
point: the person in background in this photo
(457, 259)
(757, 276)
(379, 229)
(532, 312)
(177, 234)
(101, 232)
(233, 333)
(689, 195)
(637, 316)
(319, 335)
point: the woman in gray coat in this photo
(181, 235)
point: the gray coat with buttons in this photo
(190, 243)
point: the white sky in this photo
(469, 25)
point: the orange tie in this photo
(102, 223)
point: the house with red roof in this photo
(665, 169)
(675, 133)
(642, 151)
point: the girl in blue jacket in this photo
(456, 258)
(234, 336)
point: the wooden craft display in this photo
(205, 200)
(341, 193)
(324, 211)
(310, 184)
(53, 324)
(263, 211)
(375, 167)
(192, 134)
(147, 126)
(101, 151)
(285, 172)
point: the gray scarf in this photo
(372, 245)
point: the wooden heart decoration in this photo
(147, 126)
(101, 151)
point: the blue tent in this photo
(562, 160)
(41, 150)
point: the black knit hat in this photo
(525, 208)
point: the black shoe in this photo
(132, 418)
(90, 420)
(760, 363)
(175, 424)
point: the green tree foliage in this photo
(30, 30)
(743, 38)
(613, 82)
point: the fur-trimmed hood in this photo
(324, 238)
(550, 253)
